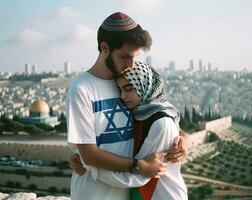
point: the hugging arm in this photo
(159, 139)
(81, 131)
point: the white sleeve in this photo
(80, 125)
(160, 137)
(119, 179)
(116, 179)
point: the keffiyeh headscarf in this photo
(150, 88)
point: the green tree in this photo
(44, 126)
(15, 126)
(62, 117)
(51, 113)
(32, 187)
(196, 117)
(205, 190)
(10, 184)
(16, 118)
(3, 118)
(202, 192)
(2, 127)
(213, 137)
(187, 114)
(61, 128)
(52, 190)
(32, 129)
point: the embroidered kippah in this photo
(118, 22)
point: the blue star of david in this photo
(118, 107)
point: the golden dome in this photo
(39, 106)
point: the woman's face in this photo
(128, 93)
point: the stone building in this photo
(39, 113)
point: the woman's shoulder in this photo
(163, 124)
(161, 128)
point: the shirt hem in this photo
(82, 142)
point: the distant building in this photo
(204, 68)
(191, 65)
(172, 66)
(67, 67)
(34, 69)
(148, 60)
(200, 66)
(209, 67)
(27, 68)
(39, 113)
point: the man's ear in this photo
(104, 48)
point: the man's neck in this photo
(100, 70)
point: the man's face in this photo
(121, 59)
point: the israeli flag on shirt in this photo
(119, 121)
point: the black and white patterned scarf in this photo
(150, 88)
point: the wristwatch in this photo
(134, 167)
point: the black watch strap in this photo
(134, 166)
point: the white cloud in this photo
(32, 37)
(141, 6)
(64, 12)
(28, 37)
(81, 33)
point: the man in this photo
(98, 122)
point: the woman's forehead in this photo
(122, 81)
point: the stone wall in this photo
(35, 151)
(42, 179)
(217, 125)
(199, 137)
(29, 196)
(41, 183)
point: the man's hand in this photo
(152, 166)
(76, 165)
(180, 147)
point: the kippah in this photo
(118, 22)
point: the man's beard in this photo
(111, 64)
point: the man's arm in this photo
(157, 140)
(150, 166)
(92, 155)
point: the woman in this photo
(156, 126)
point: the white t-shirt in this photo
(171, 185)
(96, 115)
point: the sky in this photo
(47, 33)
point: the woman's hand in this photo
(180, 147)
(152, 166)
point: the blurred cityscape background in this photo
(202, 49)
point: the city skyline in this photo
(47, 34)
(66, 67)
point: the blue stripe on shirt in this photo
(114, 132)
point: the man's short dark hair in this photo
(116, 39)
